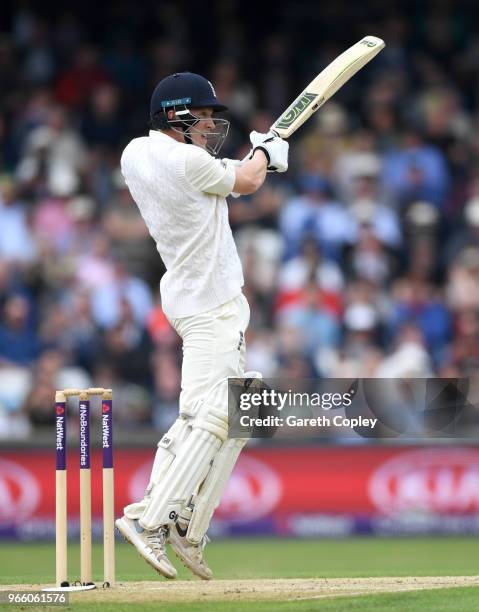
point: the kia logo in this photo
(428, 480)
(253, 491)
(19, 492)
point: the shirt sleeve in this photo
(208, 174)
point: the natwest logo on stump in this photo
(428, 480)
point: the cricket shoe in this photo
(191, 555)
(151, 545)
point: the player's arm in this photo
(250, 175)
(222, 177)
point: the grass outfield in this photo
(268, 559)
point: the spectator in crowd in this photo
(315, 318)
(418, 303)
(54, 156)
(101, 125)
(416, 171)
(78, 81)
(19, 342)
(315, 213)
(110, 299)
(16, 240)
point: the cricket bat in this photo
(326, 84)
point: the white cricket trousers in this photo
(213, 348)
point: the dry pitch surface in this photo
(258, 590)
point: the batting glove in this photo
(275, 149)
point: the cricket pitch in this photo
(258, 590)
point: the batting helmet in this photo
(184, 89)
(177, 96)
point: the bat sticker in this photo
(298, 107)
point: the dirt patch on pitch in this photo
(260, 590)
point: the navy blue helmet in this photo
(184, 89)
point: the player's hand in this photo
(275, 148)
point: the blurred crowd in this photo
(361, 260)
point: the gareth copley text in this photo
(295, 421)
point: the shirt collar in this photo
(160, 135)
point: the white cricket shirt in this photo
(180, 190)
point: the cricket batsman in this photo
(180, 187)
